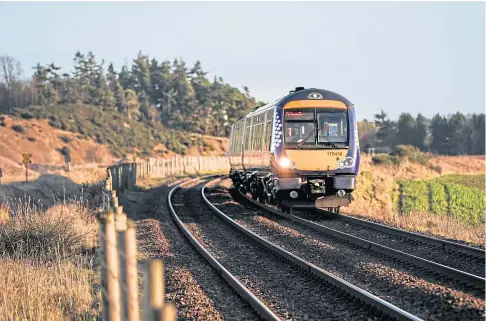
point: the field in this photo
(444, 196)
(415, 197)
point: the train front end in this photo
(316, 150)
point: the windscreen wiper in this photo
(331, 142)
(306, 138)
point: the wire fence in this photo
(118, 244)
(124, 176)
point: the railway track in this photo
(424, 239)
(282, 284)
(455, 274)
(425, 293)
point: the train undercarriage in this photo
(329, 193)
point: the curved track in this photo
(262, 310)
(422, 291)
(445, 270)
(350, 299)
(444, 244)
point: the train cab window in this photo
(299, 126)
(333, 126)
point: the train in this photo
(300, 151)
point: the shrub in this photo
(385, 159)
(26, 115)
(32, 139)
(65, 139)
(65, 151)
(18, 129)
(412, 153)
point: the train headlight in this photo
(346, 163)
(286, 163)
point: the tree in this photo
(405, 129)
(439, 133)
(421, 133)
(386, 130)
(132, 104)
(10, 89)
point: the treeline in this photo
(458, 134)
(149, 90)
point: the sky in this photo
(417, 57)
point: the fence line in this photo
(118, 244)
(121, 177)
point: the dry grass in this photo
(47, 263)
(427, 223)
(61, 291)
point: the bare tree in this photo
(10, 70)
(10, 83)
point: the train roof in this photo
(300, 93)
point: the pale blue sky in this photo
(423, 57)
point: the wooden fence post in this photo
(114, 199)
(112, 303)
(153, 290)
(132, 275)
(121, 228)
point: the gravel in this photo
(408, 287)
(460, 261)
(191, 283)
(291, 293)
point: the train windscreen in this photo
(332, 128)
(299, 125)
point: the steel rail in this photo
(432, 266)
(371, 300)
(259, 307)
(447, 245)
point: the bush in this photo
(65, 151)
(412, 153)
(46, 271)
(18, 129)
(26, 115)
(32, 139)
(385, 159)
(65, 139)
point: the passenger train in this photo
(301, 151)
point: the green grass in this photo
(474, 181)
(414, 196)
(111, 128)
(459, 196)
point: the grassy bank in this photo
(48, 265)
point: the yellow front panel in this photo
(315, 104)
(317, 159)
